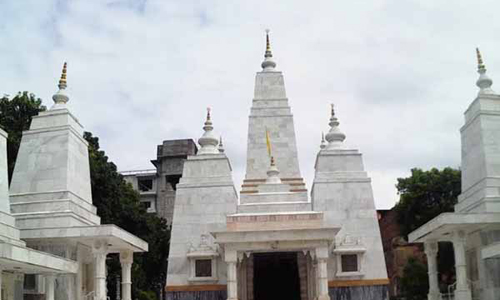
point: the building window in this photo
(145, 185)
(349, 263)
(203, 268)
(146, 204)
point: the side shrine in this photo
(53, 245)
(275, 242)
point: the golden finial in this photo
(208, 113)
(62, 81)
(268, 45)
(333, 110)
(272, 161)
(480, 64)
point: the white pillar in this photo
(126, 259)
(100, 251)
(231, 259)
(322, 273)
(49, 286)
(463, 291)
(431, 250)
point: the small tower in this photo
(483, 82)
(334, 137)
(208, 141)
(61, 98)
(268, 64)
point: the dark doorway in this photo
(276, 276)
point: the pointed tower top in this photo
(334, 137)
(480, 64)
(62, 81)
(483, 82)
(208, 141)
(60, 98)
(221, 146)
(268, 64)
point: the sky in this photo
(400, 73)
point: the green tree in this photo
(117, 203)
(414, 283)
(424, 195)
(15, 117)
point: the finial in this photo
(268, 64)
(60, 98)
(273, 173)
(334, 137)
(480, 64)
(208, 141)
(323, 142)
(221, 146)
(484, 82)
(62, 81)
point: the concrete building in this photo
(275, 242)
(157, 186)
(51, 202)
(474, 227)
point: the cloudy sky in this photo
(401, 73)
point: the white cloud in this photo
(401, 73)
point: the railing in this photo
(89, 296)
(473, 286)
(138, 172)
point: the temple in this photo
(473, 228)
(53, 244)
(275, 241)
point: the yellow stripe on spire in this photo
(268, 142)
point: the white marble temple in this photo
(474, 226)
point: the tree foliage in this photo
(424, 195)
(414, 283)
(15, 117)
(117, 203)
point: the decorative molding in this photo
(362, 282)
(196, 288)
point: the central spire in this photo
(268, 64)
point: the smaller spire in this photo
(334, 137)
(483, 82)
(221, 146)
(323, 142)
(208, 141)
(60, 98)
(268, 64)
(273, 173)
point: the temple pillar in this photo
(126, 259)
(231, 259)
(431, 250)
(462, 291)
(100, 251)
(49, 286)
(322, 273)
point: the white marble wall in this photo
(205, 195)
(342, 190)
